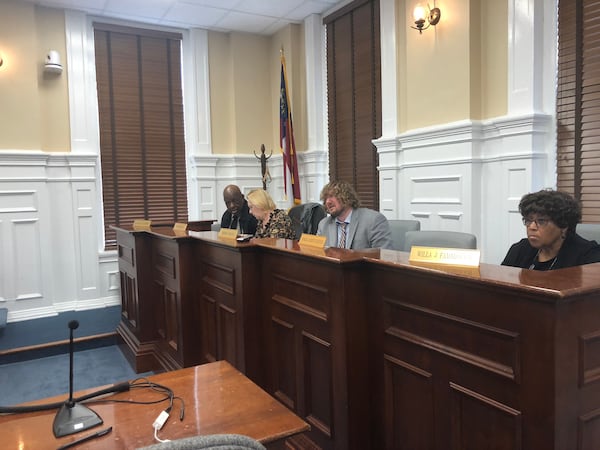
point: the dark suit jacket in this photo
(575, 251)
(247, 221)
(368, 229)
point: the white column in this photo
(532, 49)
(389, 73)
(532, 72)
(81, 70)
(196, 92)
(314, 42)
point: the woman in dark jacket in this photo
(550, 218)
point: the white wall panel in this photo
(109, 278)
(467, 176)
(313, 171)
(26, 264)
(87, 245)
(63, 264)
(49, 236)
(442, 189)
(3, 271)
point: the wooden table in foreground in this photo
(218, 399)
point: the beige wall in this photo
(494, 58)
(244, 89)
(456, 70)
(34, 108)
(240, 93)
(221, 95)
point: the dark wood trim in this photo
(136, 31)
(343, 11)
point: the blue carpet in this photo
(46, 377)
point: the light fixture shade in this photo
(419, 13)
(425, 17)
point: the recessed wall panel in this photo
(87, 248)
(27, 259)
(3, 274)
(476, 417)
(18, 201)
(409, 406)
(444, 190)
(317, 386)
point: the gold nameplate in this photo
(141, 224)
(229, 234)
(310, 240)
(315, 251)
(456, 260)
(179, 227)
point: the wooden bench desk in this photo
(218, 399)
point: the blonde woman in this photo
(272, 222)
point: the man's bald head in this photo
(233, 197)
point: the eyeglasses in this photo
(539, 222)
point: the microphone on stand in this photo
(73, 417)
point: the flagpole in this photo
(282, 89)
(290, 161)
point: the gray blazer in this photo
(367, 229)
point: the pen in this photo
(85, 438)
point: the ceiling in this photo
(252, 16)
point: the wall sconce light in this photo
(53, 64)
(425, 17)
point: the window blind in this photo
(578, 103)
(354, 97)
(142, 148)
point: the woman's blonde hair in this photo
(261, 199)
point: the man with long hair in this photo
(348, 225)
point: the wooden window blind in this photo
(354, 97)
(578, 103)
(142, 146)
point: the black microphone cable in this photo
(138, 383)
(166, 392)
(118, 387)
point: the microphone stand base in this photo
(74, 418)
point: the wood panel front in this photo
(376, 353)
(226, 308)
(470, 363)
(173, 288)
(315, 341)
(137, 328)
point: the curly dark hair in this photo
(343, 191)
(558, 206)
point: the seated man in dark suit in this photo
(237, 215)
(348, 225)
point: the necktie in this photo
(342, 242)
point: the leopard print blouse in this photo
(279, 226)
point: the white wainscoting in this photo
(468, 176)
(210, 174)
(51, 233)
